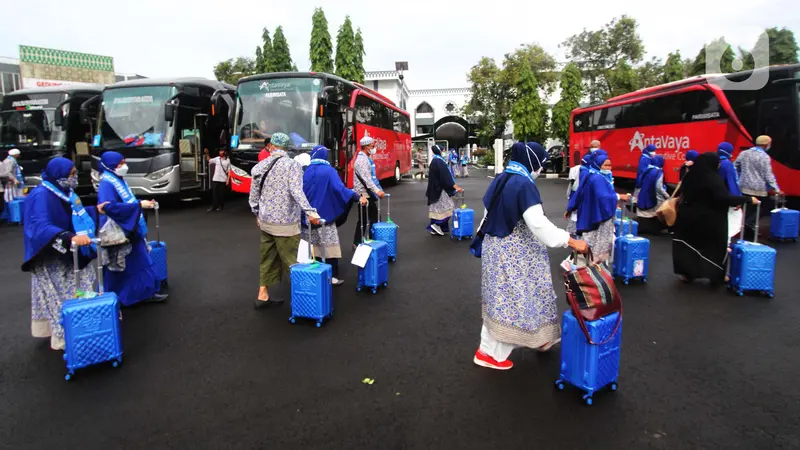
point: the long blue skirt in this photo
(138, 281)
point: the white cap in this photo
(303, 158)
(367, 140)
(13, 152)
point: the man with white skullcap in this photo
(277, 199)
(11, 173)
(364, 185)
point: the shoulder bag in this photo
(667, 213)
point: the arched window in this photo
(424, 108)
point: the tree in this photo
(321, 47)
(673, 68)
(599, 52)
(266, 52)
(722, 61)
(782, 46)
(571, 95)
(259, 60)
(359, 52)
(622, 79)
(346, 51)
(528, 112)
(232, 70)
(650, 73)
(489, 103)
(281, 57)
(541, 63)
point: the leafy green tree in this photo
(571, 94)
(259, 59)
(232, 70)
(266, 52)
(281, 56)
(528, 112)
(359, 60)
(782, 46)
(321, 47)
(599, 53)
(723, 57)
(673, 68)
(489, 104)
(622, 79)
(541, 64)
(346, 51)
(651, 73)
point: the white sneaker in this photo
(337, 282)
(437, 229)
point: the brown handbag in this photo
(667, 213)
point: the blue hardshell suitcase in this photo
(386, 231)
(312, 291)
(158, 253)
(784, 222)
(15, 211)
(631, 255)
(590, 367)
(376, 272)
(92, 327)
(463, 221)
(752, 265)
(618, 214)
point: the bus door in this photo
(777, 119)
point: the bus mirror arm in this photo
(84, 112)
(58, 116)
(169, 112)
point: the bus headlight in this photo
(160, 173)
(239, 172)
(95, 175)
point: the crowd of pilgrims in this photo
(291, 203)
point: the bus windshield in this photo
(286, 105)
(28, 122)
(134, 117)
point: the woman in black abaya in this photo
(700, 244)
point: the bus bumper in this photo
(145, 185)
(240, 184)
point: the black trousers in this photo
(750, 216)
(372, 213)
(334, 262)
(218, 189)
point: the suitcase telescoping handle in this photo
(780, 201)
(76, 272)
(622, 218)
(463, 200)
(363, 220)
(311, 247)
(158, 225)
(744, 220)
(388, 207)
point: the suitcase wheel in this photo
(68, 376)
(560, 385)
(394, 258)
(588, 400)
(374, 290)
(386, 284)
(614, 386)
(291, 320)
(771, 294)
(644, 280)
(319, 323)
(739, 293)
(358, 288)
(625, 281)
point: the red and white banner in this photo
(29, 83)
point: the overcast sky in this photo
(440, 39)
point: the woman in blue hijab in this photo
(441, 186)
(726, 169)
(55, 219)
(651, 196)
(129, 270)
(644, 163)
(596, 203)
(691, 157)
(453, 160)
(519, 303)
(326, 192)
(587, 167)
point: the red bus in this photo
(313, 109)
(697, 113)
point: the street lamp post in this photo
(400, 66)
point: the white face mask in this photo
(122, 171)
(373, 150)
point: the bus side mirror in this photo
(58, 118)
(169, 112)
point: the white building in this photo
(431, 108)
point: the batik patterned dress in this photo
(52, 283)
(442, 209)
(325, 237)
(601, 241)
(519, 303)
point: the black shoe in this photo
(271, 303)
(157, 298)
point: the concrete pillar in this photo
(498, 156)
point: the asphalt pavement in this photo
(700, 368)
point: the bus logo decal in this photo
(675, 143)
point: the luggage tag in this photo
(361, 255)
(304, 255)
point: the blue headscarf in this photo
(644, 163)
(519, 192)
(647, 196)
(726, 169)
(692, 155)
(323, 187)
(572, 205)
(108, 165)
(596, 199)
(538, 156)
(47, 218)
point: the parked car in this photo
(555, 163)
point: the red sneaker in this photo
(484, 360)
